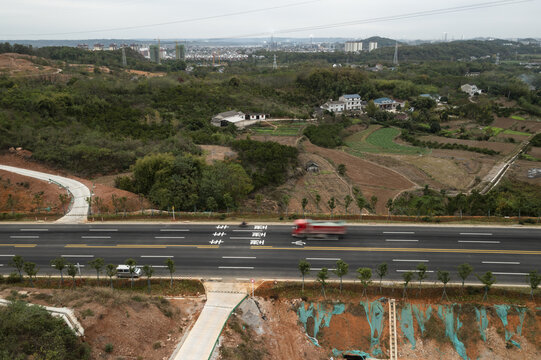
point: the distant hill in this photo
(382, 42)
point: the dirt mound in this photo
(24, 65)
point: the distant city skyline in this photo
(203, 19)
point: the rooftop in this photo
(352, 96)
(383, 100)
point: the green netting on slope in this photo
(482, 320)
(447, 315)
(422, 316)
(321, 316)
(502, 311)
(374, 314)
(337, 353)
(521, 314)
(406, 324)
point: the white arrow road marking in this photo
(298, 242)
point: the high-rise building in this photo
(372, 45)
(154, 53)
(354, 46)
(180, 52)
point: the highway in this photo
(270, 252)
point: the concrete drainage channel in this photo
(64, 313)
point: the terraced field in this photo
(379, 140)
(276, 129)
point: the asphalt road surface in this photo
(270, 252)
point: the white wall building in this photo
(240, 119)
(334, 106)
(372, 45)
(351, 101)
(354, 46)
(471, 89)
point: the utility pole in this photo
(395, 58)
(274, 64)
(124, 61)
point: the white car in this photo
(123, 271)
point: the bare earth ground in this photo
(535, 152)
(371, 178)
(217, 153)
(138, 327)
(21, 65)
(103, 191)
(145, 73)
(519, 171)
(284, 140)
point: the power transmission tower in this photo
(395, 58)
(274, 64)
(124, 61)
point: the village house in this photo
(346, 102)
(388, 104)
(471, 90)
(240, 119)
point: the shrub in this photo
(108, 348)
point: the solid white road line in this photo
(401, 240)
(248, 230)
(95, 237)
(8, 255)
(479, 241)
(428, 271)
(501, 262)
(238, 257)
(246, 238)
(174, 229)
(507, 273)
(157, 256)
(33, 230)
(85, 256)
(237, 267)
(79, 265)
(324, 259)
(318, 269)
(24, 237)
(106, 230)
(1, 264)
(168, 237)
(156, 266)
(474, 234)
(242, 279)
(399, 232)
(409, 260)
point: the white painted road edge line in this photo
(1, 264)
(247, 230)
(506, 273)
(319, 269)
(501, 262)
(474, 234)
(428, 271)
(399, 232)
(168, 237)
(8, 255)
(95, 237)
(402, 240)
(238, 257)
(106, 230)
(324, 259)
(89, 256)
(156, 266)
(237, 267)
(34, 230)
(24, 237)
(174, 229)
(157, 256)
(245, 238)
(409, 260)
(75, 265)
(479, 241)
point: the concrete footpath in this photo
(79, 207)
(222, 299)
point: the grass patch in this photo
(495, 130)
(379, 141)
(514, 132)
(516, 117)
(287, 129)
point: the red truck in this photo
(308, 228)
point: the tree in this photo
(444, 277)
(38, 200)
(322, 277)
(258, 201)
(116, 202)
(97, 264)
(304, 202)
(304, 268)
(342, 269)
(110, 270)
(59, 264)
(17, 262)
(421, 273)
(31, 270)
(212, 205)
(72, 271)
(347, 201)
(285, 202)
(381, 270)
(488, 280)
(373, 203)
(148, 271)
(229, 202)
(332, 205)
(365, 275)
(464, 270)
(389, 206)
(64, 199)
(407, 276)
(11, 203)
(131, 267)
(361, 202)
(318, 199)
(371, 108)
(341, 169)
(534, 279)
(171, 267)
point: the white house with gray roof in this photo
(240, 119)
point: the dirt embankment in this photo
(23, 65)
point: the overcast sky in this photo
(84, 19)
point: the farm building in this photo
(388, 104)
(240, 119)
(311, 166)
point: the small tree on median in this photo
(18, 262)
(421, 273)
(381, 270)
(347, 201)
(534, 279)
(304, 268)
(59, 264)
(464, 270)
(365, 275)
(110, 270)
(171, 267)
(444, 277)
(332, 205)
(342, 269)
(97, 264)
(148, 271)
(304, 202)
(407, 276)
(31, 270)
(488, 280)
(318, 199)
(131, 267)
(361, 202)
(322, 277)
(72, 271)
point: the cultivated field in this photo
(503, 148)
(277, 128)
(378, 140)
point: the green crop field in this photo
(513, 132)
(379, 141)
(290, 129)
(516, 117)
